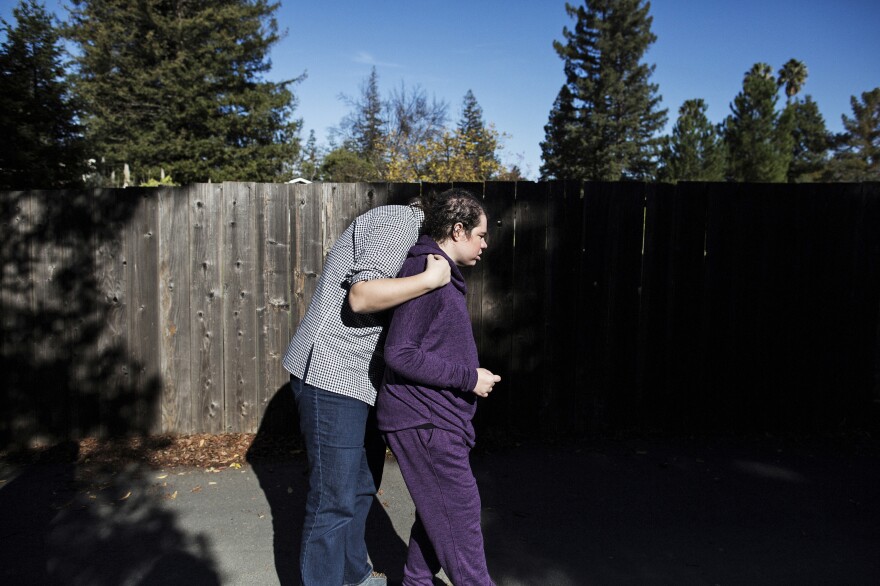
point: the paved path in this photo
(610, 512)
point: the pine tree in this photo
(363, 128)
(42, 144)
(695, 151)
(857, 153)
(178, 84)
(558, 150)
(810, 140)
(309, 160)
(758, 139)
(616, 108)
(478, 142)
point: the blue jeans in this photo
(341, 488)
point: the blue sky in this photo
(502, 51)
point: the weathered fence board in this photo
(529, 288)
(241, 358)
(308, 238)
(206, 217)
(274, 287)
(602, 305)
(142, 253)
(498, 320)
(174, 299)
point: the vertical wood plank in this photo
(19, 402)
(340, 209)
(494, 414)
(576, 396)
(370, 195)
(240, 356)
(527, 368)
(49, 340)
(142, 253)
(596, 200)
(622, 309)
(474, 275)
(274, 290)
(559, 302)
(308, 239)
(112, 276)
(206, 229)
(175, 263)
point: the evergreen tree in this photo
(42, 144)
(810, 140)
(857, 152)
(363, 128)
(178, 84)
(695, 151)
(309, 166)
(477, 142)
(558, 150)
(616, 108)
(758, 139)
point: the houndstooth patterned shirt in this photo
(334, 348)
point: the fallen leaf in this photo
(128, 494)
(212, 483)
(161, 476)
(235, 465)
(172, 496)
(197, 488)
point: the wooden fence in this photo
(603, 305)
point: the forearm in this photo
(380, 294)
(426, 368)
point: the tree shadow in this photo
(68, 374)
(64, 309)
(70, 523)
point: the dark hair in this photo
(444, 210)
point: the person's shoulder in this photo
(393, 211)
(399, 218)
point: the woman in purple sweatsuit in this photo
(429, 397)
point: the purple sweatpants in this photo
(436, 468)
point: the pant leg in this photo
(436, 467)
(356, 548)
(333, 550)
(421, 560)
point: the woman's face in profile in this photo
(469, 247)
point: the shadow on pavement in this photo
(64, 525)
(682, 512)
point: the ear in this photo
(458, 232)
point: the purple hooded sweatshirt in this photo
(430, 356)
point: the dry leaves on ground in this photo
(228, 450)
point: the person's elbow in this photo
(399, 357)
(358, 298)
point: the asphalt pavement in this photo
(615, 512)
